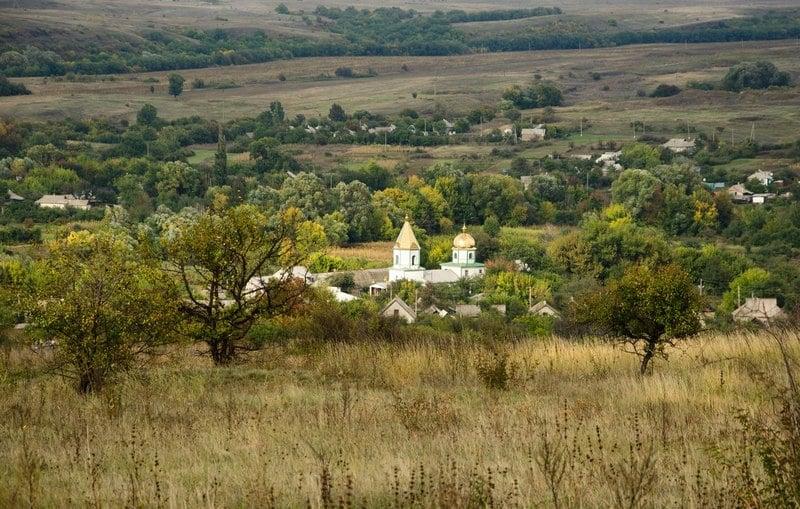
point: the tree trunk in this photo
(89, 382)
(649, 353)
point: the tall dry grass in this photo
(395, 425)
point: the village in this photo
(392, 253)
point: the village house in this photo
(542, 308)
(740, 193)
(534, 133)
(680, 145)
(62, 201)
(763, 311)
(765, 178)
(526, 180)
(397, 308)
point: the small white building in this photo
(765, 178)
(12, 196)
(62, 201)
(534, 133)
(397, 308)
(680, 145)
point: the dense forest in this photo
(384, 31)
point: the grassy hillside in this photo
(600, 85)
(398, 424)
(117, 37)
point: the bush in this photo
(344, 72)
(756, 75)
(8, 88)
(701, 85)
(495, 371)
(664, 90)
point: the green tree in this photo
(754, 281)
(176, 82)
(220, 168)
(648, 309)
(760, 74)
(492, 226)
(337, 113)
(222, 259)
(103, 305)
(355, 203)
(640, 155)
(306, 192)
(147, 115)
(282, 9)
(638, 191)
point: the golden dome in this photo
(464, 240)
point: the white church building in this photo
(407, 259)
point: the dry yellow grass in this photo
(355, 424)
(372, 252)
(459, 84)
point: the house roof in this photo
(14, 196)
(400, 302)
(406, 239)
(467, 310)
(758, 309)
(738, 189)
(436, 276)
(679, 143)
(62, 199)
(543, 306)
(760, 175)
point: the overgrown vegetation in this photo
(382, 31)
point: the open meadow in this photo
(421, 422)
(601, 86)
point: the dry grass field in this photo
(412, 424)
(609, 104)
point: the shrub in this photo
(495, 371)
(344, 72)
(757, 75)
(664, 90)
(8, 88)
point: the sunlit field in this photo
(427, 423)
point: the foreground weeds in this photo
(544, 423)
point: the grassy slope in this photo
(185, 433)
(452, 82)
